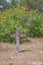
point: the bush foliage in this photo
(29, 22)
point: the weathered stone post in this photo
(17, 39)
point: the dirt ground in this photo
(31, 53)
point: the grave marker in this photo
(18, 35)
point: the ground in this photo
(31, 53)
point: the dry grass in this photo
(31, 53)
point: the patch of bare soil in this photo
(31, 53)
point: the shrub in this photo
(31, 23)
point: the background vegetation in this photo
(27, 14)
